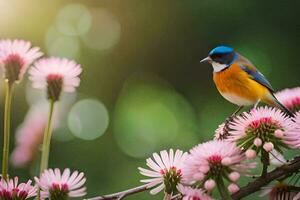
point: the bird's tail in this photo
(279, 105)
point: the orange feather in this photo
(235, 81)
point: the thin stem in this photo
(121, 195)
(265, 159)
(6, 140)
(223, 191)
(47, 139)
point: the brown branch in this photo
(121, 195)
(281, 172)
(290, 168)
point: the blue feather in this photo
(258, 77)
(221, 50)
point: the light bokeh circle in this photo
(88, 119)
(105, 30)
(74, 20)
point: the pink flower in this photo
(15, 57)
(166, 167)
(189, 193)
(290, 98)
(279, 191)
(214, 160)
(259, 129)
(11, 190)
(55, 185)
(293, 139)
(55, 74)
(30, 135)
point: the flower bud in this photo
(233, 188)
(250, 153)
(268, 146)
(278, 133)
(226, 161)
(234, 176)
(209, 185)
(257, 142)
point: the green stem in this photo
(265, 159)
(6, 140)
(222, 189)
(47, 139)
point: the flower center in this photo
(279, 191)
(263, 128)
(55, 83)
(172, 177)
(5, 195)
(215, 159)
(59, 191)
(22, 195)
(215, 166)
(18, 194)
(13, 65)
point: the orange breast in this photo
(237, 82)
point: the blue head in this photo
(221, 57)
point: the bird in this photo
(239, 81)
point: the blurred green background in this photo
(143, 88)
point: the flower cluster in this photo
(221, 162)
(191, 175)
(56, 75)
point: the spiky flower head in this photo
(189, 193)
(261, 130)
(293, 139)
(61, 186)
(56, 75)
(11, 190)
(15, 58)
(165, 171)
(290, 98)
(280, 191)
(215, 160)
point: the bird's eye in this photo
(216, 56)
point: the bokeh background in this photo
(143, 88)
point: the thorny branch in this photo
(292, 167)
(281, 172)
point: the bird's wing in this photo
(253, 73)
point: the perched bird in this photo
(238, 80)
